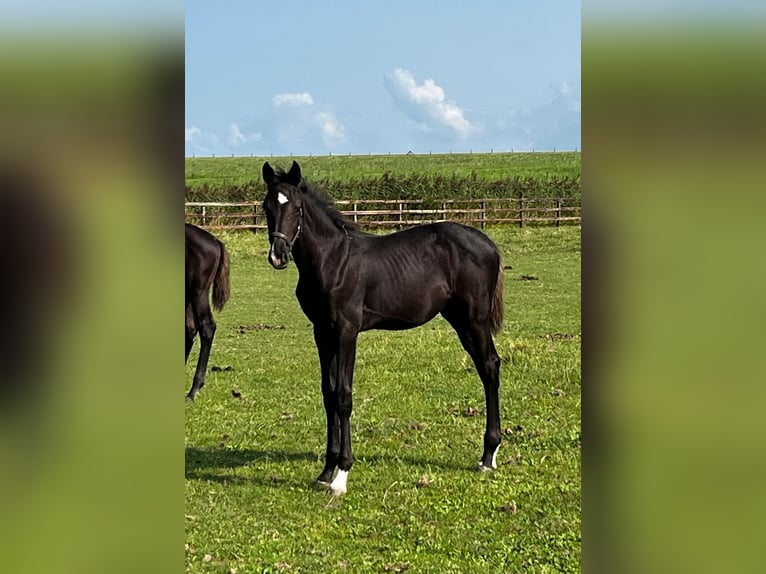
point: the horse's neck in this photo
(320, 242)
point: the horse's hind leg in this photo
(477, 341)
(490, 377)
(206, 326)
(191, 330)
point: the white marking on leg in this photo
(338, 485)
(494, 461)
(282, 198)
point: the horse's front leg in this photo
(343, 405)
(328, 352)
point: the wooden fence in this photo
(402, 213)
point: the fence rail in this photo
(401, 213)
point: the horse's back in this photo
(467, 238)
(203, 252)
(199, 240)
(445, 244)
(474, 257)
(410, 275)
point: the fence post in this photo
(255, 218)
(521, 209)
(483, 214)
(401, 219)
(356, 202)
(558, 212)
(204, 219)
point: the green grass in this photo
(490, 166)
(251, 461)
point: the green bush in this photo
(428, 187)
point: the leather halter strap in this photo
(291, 242)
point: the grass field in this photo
(491, 166)
(415, 502)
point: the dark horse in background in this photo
(207, 264)
(350, 281)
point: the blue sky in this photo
(381, 76)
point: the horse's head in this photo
(284, 212)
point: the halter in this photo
(297, 233)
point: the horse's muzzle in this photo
(278, 258)
(278, 263)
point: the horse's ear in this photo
(268, 173)
(294, 175)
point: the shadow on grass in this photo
(230, 479)
(201, 464)
(205, 464)
(197, 458)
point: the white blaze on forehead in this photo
(282, 198)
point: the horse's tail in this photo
(496, 306)
(221, 281)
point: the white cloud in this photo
(554, 123)
(330, 128)
(189, 133)
(426, 102)
(201, 142)
(236, 137)
(302, 99)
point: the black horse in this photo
(207, 263)
(350, 281)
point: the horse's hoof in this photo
(338, 491)
(492, 465)
(189, 398)
(321, 485)
(338, 485)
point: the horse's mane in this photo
(320, 201)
